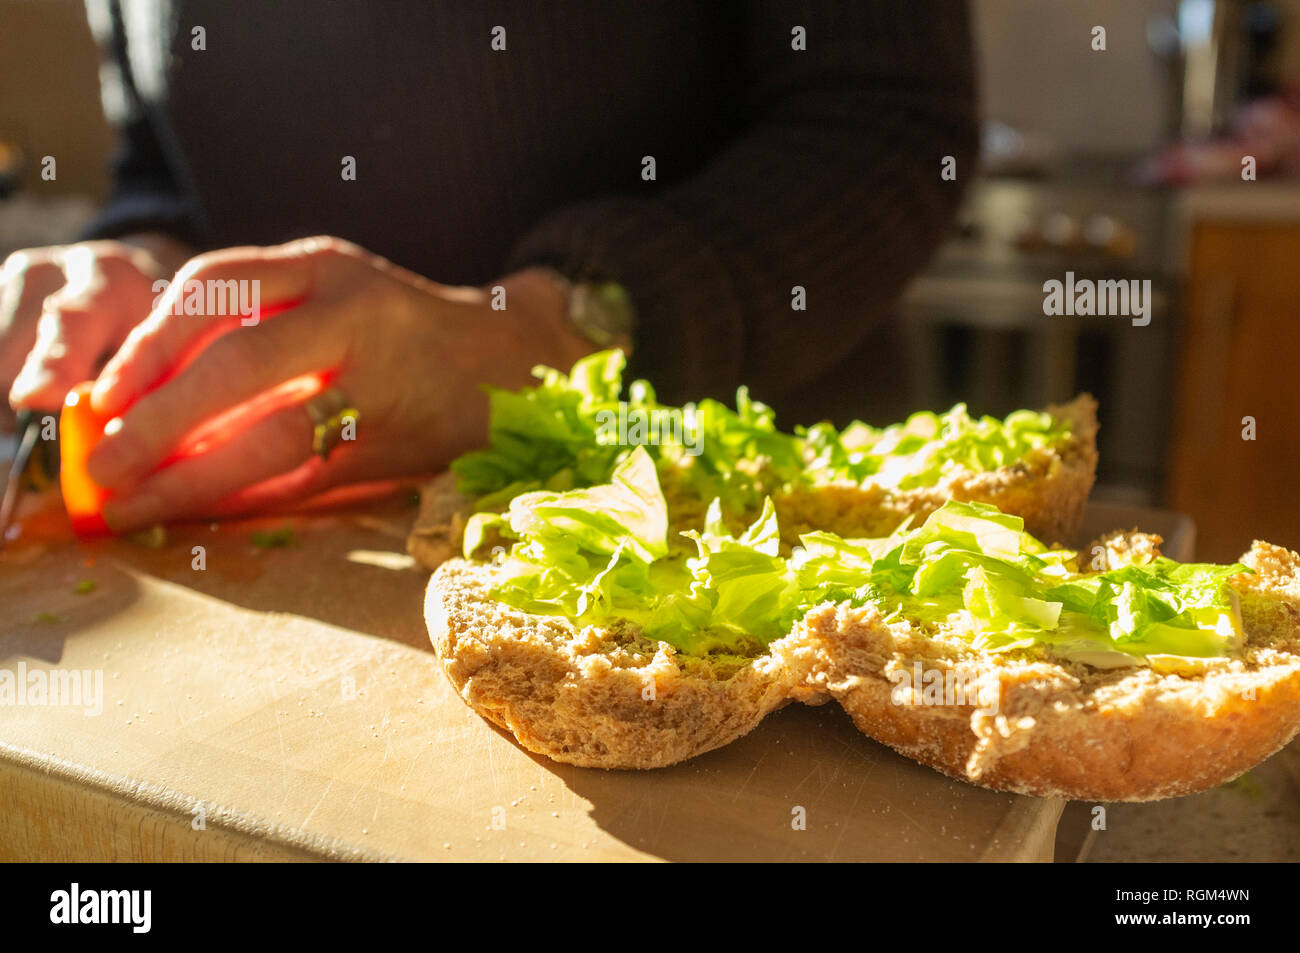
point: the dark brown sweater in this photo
(774, 167)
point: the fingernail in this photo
(102, 393)
(27, 384)
(111, 463)
(131, 512)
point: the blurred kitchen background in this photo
(1127, 164)
(1116, 164)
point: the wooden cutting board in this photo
(282, 703)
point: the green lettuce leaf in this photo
(579, 551)
(571, 430)
(975, 568)
(599, 554)
(538, 433)
(919, 451)
(1162, 607)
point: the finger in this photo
(346, 466)
(26, 280)
(72, 337)
(197, 308)
(233, 369)
(191, 487)
(103, 294)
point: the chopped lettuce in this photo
(571, 430)
(733, 444)
(921, 450)
(973, 568)
(583, 549)
(549, 431)
(602, 553)
(1163, 607)
(571, 479)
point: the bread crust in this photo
(440, 525)
(1052, 729)
(597, 697)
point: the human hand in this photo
(410, 354)
(65, 309)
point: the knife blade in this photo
(26, 466)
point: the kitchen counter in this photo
(1267, 202)
(283, 704)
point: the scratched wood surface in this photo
(283, 704)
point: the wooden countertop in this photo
(284, 704)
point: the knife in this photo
(27, 466)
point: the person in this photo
(442, 196)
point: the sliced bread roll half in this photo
(440, 524)
(1039, 726)
(1048, 489)
(599, 697)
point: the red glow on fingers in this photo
(127, 384)
(81, 428)
(278, 307)
(218, 328)
(275, 492)
(225, 425)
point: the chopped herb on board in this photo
(272, 538)
(155, 537)
(1247, 785)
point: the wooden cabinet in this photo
(1239, 358)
